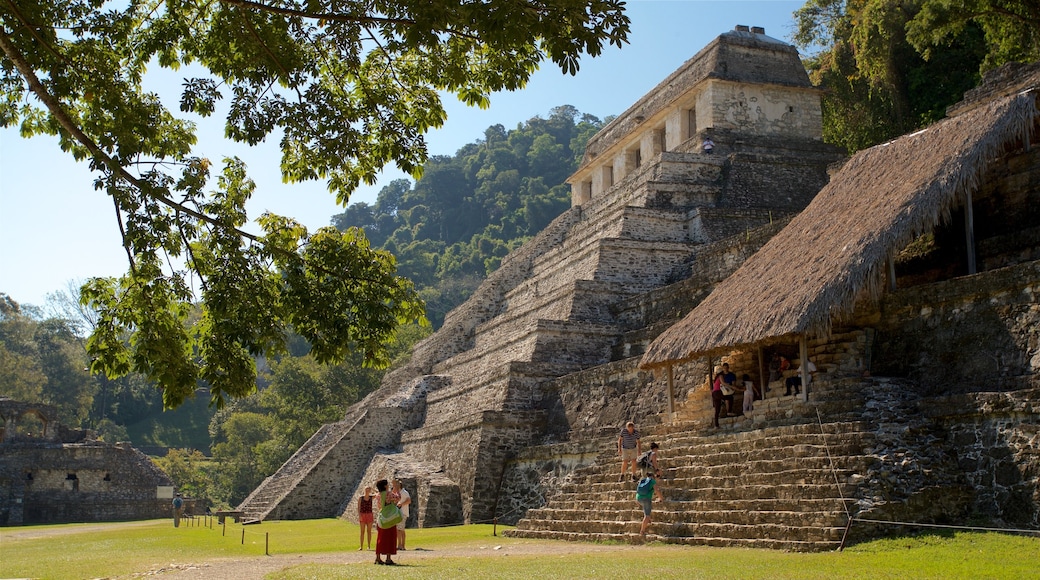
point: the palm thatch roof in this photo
(813, 270)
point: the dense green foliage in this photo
(348, 86)
(890, 66)
(42, 360)
(469, 210)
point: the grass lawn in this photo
(112, 550)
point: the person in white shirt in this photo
(403, 503)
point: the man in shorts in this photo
(629, 447)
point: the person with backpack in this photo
(178, 510)
(648, 461)
(646, 491)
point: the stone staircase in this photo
(779, 479)
(273, 490)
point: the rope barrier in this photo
(837, 483)
(947, 526)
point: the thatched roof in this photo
(813, 270)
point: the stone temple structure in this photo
(52, 474)
(511, 410)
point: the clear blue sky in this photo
(55, 228)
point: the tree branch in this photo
(334, 16)
(62, 117)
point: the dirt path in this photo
(259, 566)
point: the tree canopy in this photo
(891, 66)
(346, 86)
(469, 210)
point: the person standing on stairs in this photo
(716, 395)
(729, 388)
(629, 447)
(646, 491)
(749, 394)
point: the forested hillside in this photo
(454, 226)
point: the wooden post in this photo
(243, 536)
(763, 378)
(891, 274)
(267, 543)
(671, 395)
(969, 232)
(803, 352)
(223, 532)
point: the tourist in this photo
(749, 393)
(365, 518)
(386, 538)
(774, 369)
(729, 388)
(716, 395)
(708, 146)
(646, 491)
(654, 466)
(178, 510)
(796, 381)
(629, 447)
(403, 499)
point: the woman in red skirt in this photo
(365, 517)
(386, 540)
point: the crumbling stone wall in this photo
(42, 483)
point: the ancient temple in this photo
(512, 408)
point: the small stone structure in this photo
(511, 409)
(52, 474)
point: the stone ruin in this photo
(51, 474)
(510, 412)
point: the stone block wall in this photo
(82, 482)
(763, 109)
(974, 333)
(327, 481)
(538, 471)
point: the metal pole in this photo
(243, 536)
(223, 532)
(267, 543)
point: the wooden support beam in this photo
(891, 274)
(671, 394)
(969, 232)
(803, 366)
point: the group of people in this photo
(391, 539)
(778, 364)
(630, 450)
(724, 387)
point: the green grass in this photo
(92, 551)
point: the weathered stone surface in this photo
(537, 371)
(61, 475)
